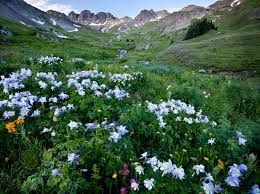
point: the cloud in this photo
(45, 5)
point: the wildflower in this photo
(46, 130)
(211, 141)
(166, 167)
(149, 183)
(19, 121)
(139, 169)
(255, 189)
(184, 150)
(208, 188)
(241, 138)
(122, 130)
(10, 127)
(152, 161)
(54, 119)
(218, 188)
(73, 125)
(208, 177)
(6, 159)
(199, 168)
(134, 185)
(144, 155)
(72, 158)
(114, 176)
(99, 110)
(124, 171)
(205, 158)
(178, 172)
(232, 181)
(55, 172)
(53, 133)
(114, 136)
(221, 165)
(241, 141)
(123, 190)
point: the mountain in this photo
(86, 17)
(28, 15)
(24, 13)
(62, 20)
(225, 5)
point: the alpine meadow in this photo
(163, 102)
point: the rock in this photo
(122, 53)
(255, 14)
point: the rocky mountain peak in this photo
(193, 8)
(73, 16)
(56, 14)
(225, 5)
(162, 13)
(145, 16)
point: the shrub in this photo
(199, 27)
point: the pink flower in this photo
(123, 190)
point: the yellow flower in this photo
(221, 165)
(114, 176)
(54, 119)
(205, 158)
(99, 110)
(19, 121)
(10, 127)
(184, 150)
(6, 159)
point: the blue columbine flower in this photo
(72, 158)
(55, 172)
(255, 189)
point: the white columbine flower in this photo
(199, 168)
(144, 155)
(149, 183)
(178, 172)
(211, 141)
(73, 125)
(139, 169)
(241, 141)
(46, 130)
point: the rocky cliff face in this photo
(62, 20)
(225, 5)
(145, 16)
(86, 17)
(180, 19)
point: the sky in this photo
(118, 8)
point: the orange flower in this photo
(20, 121)
(10, 127)
(221, 165)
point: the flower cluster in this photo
(234, 174)
(82, 81)
(48, 78)
(15, 80)
(124, 78)
(50, 60)
(11, 125)
(176, 107)
(78, 60)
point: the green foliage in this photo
(199, 27)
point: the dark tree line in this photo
(199, 27)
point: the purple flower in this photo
(72, 158)
(255, 189)
(232, 181)
(122, 130)
(55, 172)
